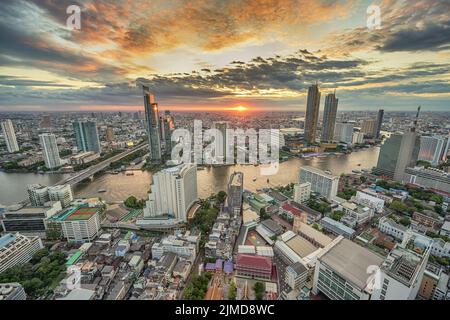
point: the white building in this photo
(50, 150)
(62, 193)
(401, 274)
(38, 195)
(370, 199)
(343, 132)
(323, 183)
(185, 246)
(434, 149)
(296, 275)
(17, 249)
(392, 228)
(173, 192)
(355, 214)
(302, 192)
(10, 136)
(358, 138)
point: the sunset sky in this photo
(220, 54)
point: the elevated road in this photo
(89, 172)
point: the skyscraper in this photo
(10, 136)
(169, 126)
(387, 159)
(173, 192)
(379, 123)
(409, 151)
(86, 135)
(329, 117)
(399, 152)
(50, 150)
(152, 123)
(110, 134)
(312, 113)
(369, 127)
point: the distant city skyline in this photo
(218, 56)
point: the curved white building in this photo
(173, 192)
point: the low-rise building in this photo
(296, 275)
(12, 291)
(337, 228)
(392, 228)
(302, 192)
(254, 267)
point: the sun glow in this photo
(240, 108)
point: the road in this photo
(80, 176)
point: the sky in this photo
(215, 54)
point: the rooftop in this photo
(254, 261)
(75, 214)
(6, 239)
(351, 261)
(301, 246)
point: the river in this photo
(210, 180)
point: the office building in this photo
(12, 291)
(10, 136)
(38, 195)
(61, 193)
(173, 192)
(76, 224)
(29, 221)
(321, 182)
(302, 192)
(86, 135)
(434, 149)
(343, 132)
(312, 113)
(235, 194)
(50, 150)
(343, 270)
(389, 153)
(152, 125)
(379, 124)
(17, 249)
(296, 275)
(329, 117)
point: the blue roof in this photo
(6, 239)
(339, 225)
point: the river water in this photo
(210, 180)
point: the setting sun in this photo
(240, 108)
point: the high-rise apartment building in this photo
(86, 135)
(369, 127)
(50, 150)
(343, 132)
(312, 113)
(169, 126)
(173, 192)
(321, 182)
(329, 117)
(10, 136)
(110, 134)
(152, 124)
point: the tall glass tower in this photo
(152, 123)
(86, 135)
(329, 117)
(312, 113)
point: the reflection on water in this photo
(210, 180)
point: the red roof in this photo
(291, 209)
(254, 261)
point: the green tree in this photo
(232, 293)
(337, 215)
(405, 221)
(399, 206)
(221, 196)
(259, 290)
